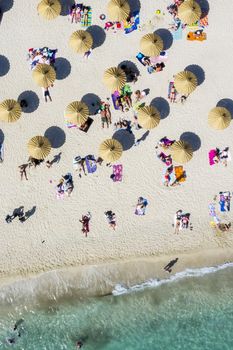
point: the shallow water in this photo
(188, 313)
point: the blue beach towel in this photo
(91, 164)
(131, 28)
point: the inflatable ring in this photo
(102, 17)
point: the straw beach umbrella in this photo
(118, 10)
(81, 41)
(148, 117)
(49, 9)
(185, 82)
(151, 44)
(189, 12)
(114, 78)
(219, 118)
(77, 112)
(181, 151)
(39, 147)
(44, 75)
(110, 150)
(10, 111)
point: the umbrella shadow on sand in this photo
(166, 36)
(162, 106)
(126, 138)
(56, 136)
(62, 67)
(4, 65)
(193, 139)
(98, 35)
(6, 5)
(227, 103)
(1, 136)
(134, 5)
(197, 71)
(93, 103)
(65, 6)
(31, 99)
(130, 69)
(204, 5)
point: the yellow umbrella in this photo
(44, 75)
(114, 78)
(110, 150)
(10, 111)
(148, 117)
(181, 152)
(39, 147)
(185, 82)
(118, 10)
(151, 44)
(81, 41)
(189, 11)
(49, 9)
(219, 118)
(77, 112)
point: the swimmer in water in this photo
(79, 344)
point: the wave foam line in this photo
(153, 283)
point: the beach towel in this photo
(1, 152)
(85, 127)
(158, 59)
(91, 164)
(224, 201)
(117, 172)
(114, 99)
(203, 22)
(128, 27)
(70, 125)
(171, 83)
(89, 19)
(177, 34)
(212, 154)
(180, 173)
(139, 57)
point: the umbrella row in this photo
(77, 112)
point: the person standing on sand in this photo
(168, 267)
(46, 94)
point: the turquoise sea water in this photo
(187, 313)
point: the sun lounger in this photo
(212, 154)
(1, 152)
(117, 172)
(180, 173)
(91, 164)
(114, 99)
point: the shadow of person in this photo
(166, 36)
(1, 136)
(198, 72)
(4, 65)
(204, 5)
(193, 139)
(162, 106)
(65, 6)
(6, 5)
(130, 69)
(30, 212)
(93, 102)
(227, 103)
(134, 5)
(126, 138)
(56, 136)
(29, 101)
(62, 67)
(98, 34)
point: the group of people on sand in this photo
(65, 186)
(222, 156)
(79, 12)
(217, 223)
(181, 221)
(105, 113)
(173, 95)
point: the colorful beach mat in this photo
(117, 172)
(89, 19)
(128, 27)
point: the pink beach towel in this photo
(117, 171)
(212, 154)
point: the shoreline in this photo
(101, 279)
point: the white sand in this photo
(56, 221)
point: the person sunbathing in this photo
(85, 222)
(111, 218)
(165, 142)
(165, 159)
(223, 155)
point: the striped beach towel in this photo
(89, 19)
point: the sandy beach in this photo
(56, 221)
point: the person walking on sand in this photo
(22, 171)
(46, 94)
